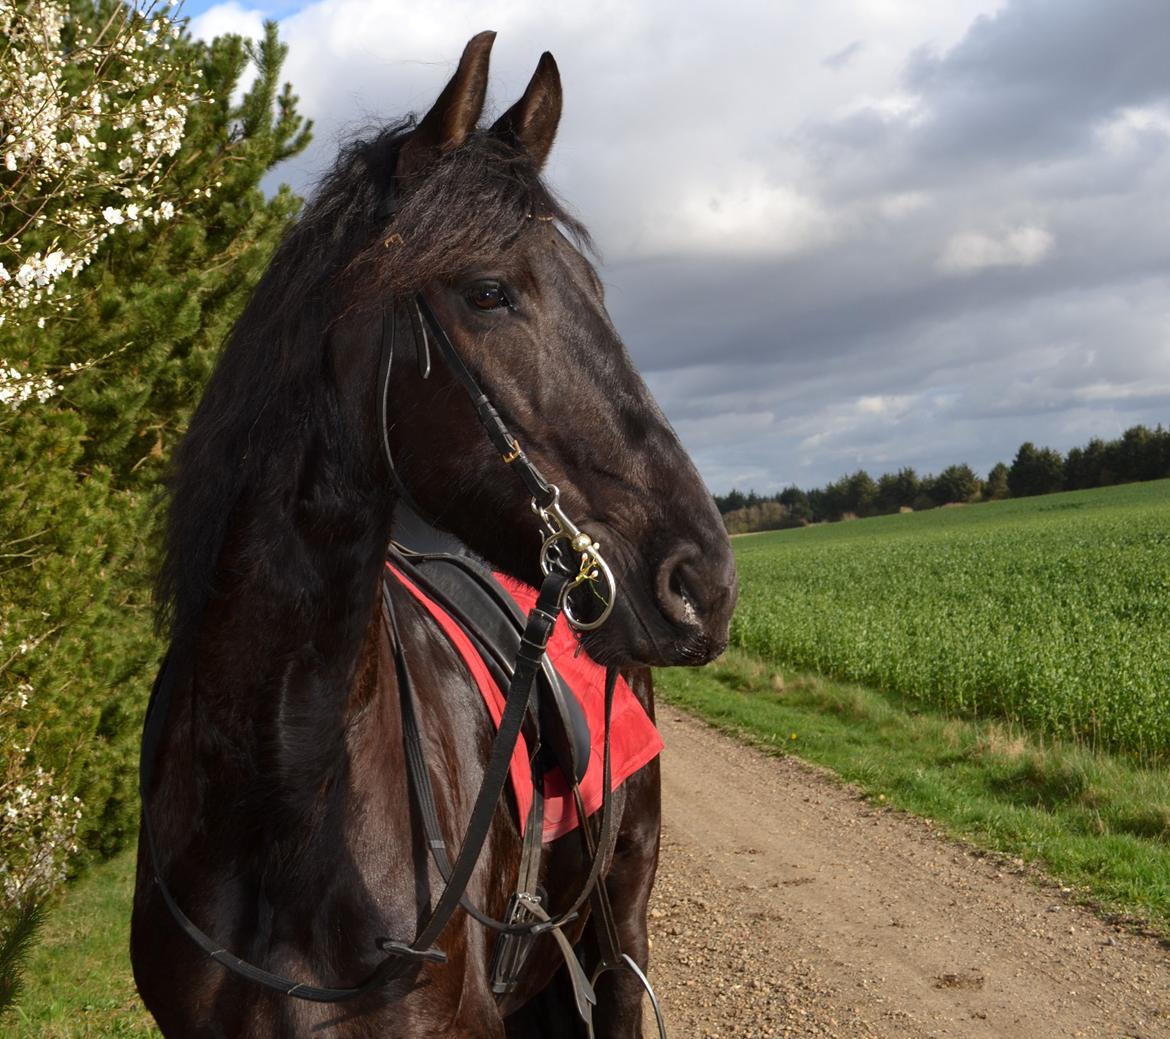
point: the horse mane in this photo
(356, 245)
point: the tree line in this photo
(1140, 453)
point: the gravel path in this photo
(787, 906)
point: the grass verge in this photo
(1097, 823)
(78, 983)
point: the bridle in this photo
(565, 548)
(569, 559)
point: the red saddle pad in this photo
(634, 741)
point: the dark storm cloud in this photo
(1034, 79)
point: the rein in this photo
(569, 559)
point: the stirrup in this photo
(625, 963)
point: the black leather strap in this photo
(541, 621)
(540, 625)
(502, 440)
(526, 916)
(385, 363)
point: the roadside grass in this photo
(1097, 823)
(78, 983)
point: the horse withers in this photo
(280, 811)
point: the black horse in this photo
(280, 804)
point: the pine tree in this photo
(956, 484)
(79, 473)
(1035, 471)
(996, 486)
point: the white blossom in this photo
(61, 107)
(38, 825)
(17, 388)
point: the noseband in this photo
(569, 559)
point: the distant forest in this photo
(1139, 453)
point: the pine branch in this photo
(17, 937)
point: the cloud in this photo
(839, 59)
(230, 17)
(970, 251)
(919, 242)
(1034, 78)
(746, 217)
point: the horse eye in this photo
(488, 297)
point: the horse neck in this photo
(288, 648)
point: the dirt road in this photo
(787, 906)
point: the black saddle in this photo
(464, 585)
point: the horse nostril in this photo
(679, 587)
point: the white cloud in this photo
(230, 17)
(746, 218)
(890, 406)
(901, 204)
(970, 251)
(1130, 128)
(1104, 391)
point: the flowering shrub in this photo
(17, 387)
(38, 827)
(90, 116)
(90, 405)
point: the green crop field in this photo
(1050, 612)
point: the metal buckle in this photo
(512, 949)
(512, 455)
(569, 549)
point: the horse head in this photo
(469, 225)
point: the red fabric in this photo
(634, 741)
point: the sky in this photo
(849, 234)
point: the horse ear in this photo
(455, 114)
(532, 121)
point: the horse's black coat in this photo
(280, 799)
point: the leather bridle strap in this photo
(541, 621)
(502, 440)
(420, 777)
(595, 852)
(385, 363)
